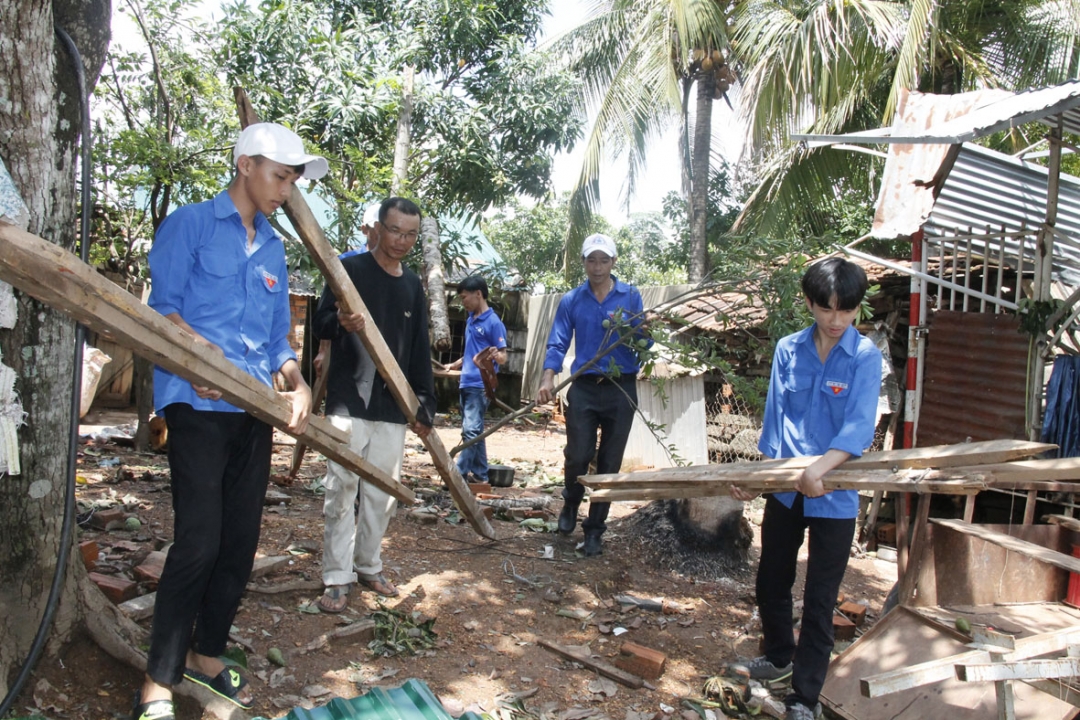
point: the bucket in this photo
(500, 475)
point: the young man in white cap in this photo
(604, 397)
(218, 271)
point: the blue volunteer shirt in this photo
(200, 267)
(580, 315)
(814, 407)
(481, 332)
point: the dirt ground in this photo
(491, 601)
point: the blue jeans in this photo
(473, 459)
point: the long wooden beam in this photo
(325, 257)
(947, 482)
(62, 281)
(944, 668)
(937, 456)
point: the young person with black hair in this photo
(822, 401)
(485, 337)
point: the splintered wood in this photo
(962, 469)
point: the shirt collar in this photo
(225, 207)
(849, 341)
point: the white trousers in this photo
(353, 544)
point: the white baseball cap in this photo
(280, 144)
(371, 215)
(598, 241)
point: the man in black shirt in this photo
(359, 401)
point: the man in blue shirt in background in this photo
(218, 271)
(822, 400)
(485, 337)
(604, 397)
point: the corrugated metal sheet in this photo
(412, 701)
(683, 417)
(975, 382)
(987, 188)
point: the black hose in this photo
(76, 394)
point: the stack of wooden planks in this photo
(961, 469)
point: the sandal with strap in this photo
(334, 594)
(378, 584)
(153, 710)
(228, 683)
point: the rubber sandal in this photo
(370, 582)
(333, 592)
(153, 710)
(228, 683)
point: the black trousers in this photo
(596, 403)
(830, 546)
(220, 466)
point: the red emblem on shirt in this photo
(836, 390)
(271, 280)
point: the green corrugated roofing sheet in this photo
(412, 701)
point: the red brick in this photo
(855, 612)
(640, 660)
(150, 569)
(89, 550)
(480, 488)
(102, 518)
(886, 534)
(843, 629)
(116, 589)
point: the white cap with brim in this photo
(280, 144)
(371, 215)
(599, 242)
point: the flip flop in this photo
(371, 581)
(228, 683)
(153, 710)
(334, 593)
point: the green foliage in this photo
(161, 123)
(488, 110)
(531, 242)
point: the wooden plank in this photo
(1020, 471)
(1019, 670)
(1022, 547)
(59, 279)
(1064, 691)
(607, 670)
(939, 456)
(348, 299)
(772, 480)
(945, 668)
(1029, 506)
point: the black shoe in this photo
(568, 518)
(592, 546)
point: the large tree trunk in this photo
(39, 126)
(699, 181)
(404, 135)
(435, 280)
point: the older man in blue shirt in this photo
(822, 401)
(604, 397)
(218, 271)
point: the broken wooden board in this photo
(771, 480)
(938, 456)
(326, 259)
(606, 669)
(1013, 544)
(59, 279)
(317, 398)
(1036, 474)
(904, 638)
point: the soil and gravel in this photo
(490, 601)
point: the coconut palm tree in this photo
(638, 61)
(823, 66)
